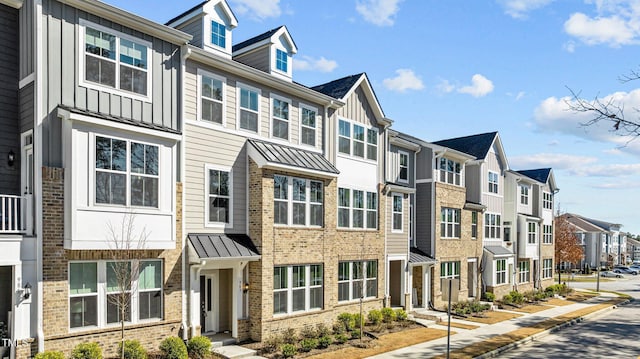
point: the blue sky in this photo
(452, 68)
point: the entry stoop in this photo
(235, 351)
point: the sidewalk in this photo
(507, 330)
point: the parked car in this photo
(626, 270)
(635, 267)
(611, 274)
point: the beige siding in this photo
(258, 59)
(397, 243)
(210, 147)
(493, 163)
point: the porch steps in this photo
(221, 342)
(235, 352)
(431, 315)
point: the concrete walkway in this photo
(464, 338)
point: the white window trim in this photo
(274, 59)
(497, 183)
(546, 269)
(498, 227)
(350, 208)
(307, 289)
(524, 273)
(545, 200)
(302, 107)
(272, 117)
(547, 237)
(116, 90)
(101, 294)
(202, 73)
(239, 87)
(400, 166)
(365, 279)
(351, 141)
(533, 233)
(307, 202)
(457, 212)
(208, 224)
(524, 194)
(503, 271)
(393, 213)
(210, 34)
(439, 170)
(127, 172)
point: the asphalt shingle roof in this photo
(258, 38)
(222, 245)
(540, 175)
(338, 88)
(474, 145)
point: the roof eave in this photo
(16, 4)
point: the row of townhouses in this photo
(602, 242)
(253, 203)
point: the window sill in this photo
(356, 301)
(76, 332)
(295, 226)
(297, 314)
(345, 229)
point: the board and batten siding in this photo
(27, 37)
(9, 106)
(211, 147)
(494, 203)
(397, 243)
(424, 217)
(259, 59)
(231, 107)
(60, 56)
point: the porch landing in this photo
(236, 352)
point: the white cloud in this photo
(520, 95)
(378, 12)
(518, 9)
(613, 170)
(557, 161)
(624, 185)
(258, 9)
(445, 86)
(405, 80)
(569, 46)
(615, 23)
(308, 63)
(480, 86)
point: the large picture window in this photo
(119, 184)
(218, 195)
(450, 223)
(94, 288)
(297, 288)
(492, 226)
(450, 171)
(298, 201)
(249, 108)
(357, 279)
(115, 60)
(357, 209)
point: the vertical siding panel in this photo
(164, 118)
(173, 84)
(92, 100)
(232, 101)
(116, 105)
(148, 115)
(69, 63)
(157, 82)
(136, 110)
(104, 104)
(126, 107)
(55, 55)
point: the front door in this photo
(472, 278)
(206, 306)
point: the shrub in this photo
(199, 347)
(507, 299)
(322, 330)
(133, 350)
(340, 338)
(324, 341)
(358, 319)
(355, 334)
(490, 297)
(401, 315)
(308, 332)
(339, 328)
(289, 336)
(288, 350)
(87, 351)
(50, 354)
(308, 344)
(517, 297)
(477, 307)
(388, 315)
(374, 316)
(348, 320)
(272, 344)
(173, 348)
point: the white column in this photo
(194, 299)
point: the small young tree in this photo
(567, 248)
(126, 246)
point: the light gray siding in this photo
(260, 59)
(194, 28)
(393, 172)
(9, 117)
(26, 39)
(424, 217)
(61, 58)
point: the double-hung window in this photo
(492, 226)
(524, 195)
(282, 60)
(523, 271)
(218, 195)
(474, 225)
(547, 234)
(280, 118)
(297, 201)
(493, 182)
(501, 271)
(547, 268)
(218, 34)
(450, 223)
(532, 233)
(249, 107)
(357, 279)
(547, 200)
(115, 60)
(150, 290)
(403, 167)
(308, 125)
(358, 141)
(450, 270)
(357, 209)
(372, 144)
(119, 279)
(297, 288)
(344, 137)
(450, 171)
(83, 294)
(396, 212)
(119, 184)
(212, 98)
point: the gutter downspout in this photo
(185, 52)
(37, 153)
(386, 209)
(517, 238)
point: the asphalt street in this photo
(612, 333)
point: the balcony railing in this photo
(16, 216)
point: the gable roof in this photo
(262, 38)
(581, 224)
(602, 224)
(199, 9)
(475, 145)
(344, 87)
(540, 175)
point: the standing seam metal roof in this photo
(222, 245)
(291, 156)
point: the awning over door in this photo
(223, 246)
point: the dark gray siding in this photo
(26, 39)
(424, 165)
(62, 77)
(9, 123)
(26, 107)
(194, 28)
(423, 217)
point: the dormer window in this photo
(281, 60)
(218, 34)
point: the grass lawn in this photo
(492, 317)
(459, 325)
(532, 308)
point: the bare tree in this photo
(609, 110)
(567, 248)
(126, 247)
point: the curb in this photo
(514, 345)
